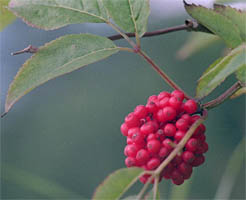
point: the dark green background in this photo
(66, 132)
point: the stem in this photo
(123, 35)
(161, 73)
(156, 187)
(155, 33)
(29, 49)
(142, 191)
(181, 144)
(222, 98)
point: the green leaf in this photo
(130, 15)
(6, 17)
(238, 17)
(50, 14)
(133, 197)
(233, 167)
(217, 23)
(181, 192)
(238, 93)
(117, 183)
(56, 58)
(227, 1)
(220, 70)
(196, 42)
(241, 73)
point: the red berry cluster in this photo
(153, 130)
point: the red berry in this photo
(129, 140)
(179, 135)
(185, 168)
(131, 150)
(137, 138)
(132, 131)
(178, 94)
(163, 95)
(167, 171)
(177, 160)
(175, 103)
(164, 102)
(124, 129)
(169, 130)
(167, 143)
(198, 161)
(169, 113)
(163, 153)
(177, 177)
(160, 116)
(192, 144)
(142, 156)
(153, 163)
(186, 117)
(143, 179)
(152, 98)
(130, 162)
(188, 157)
(151, 107)
(190, 106)
(147, 128)
(153, 146)
(182, 124)
(151, 136)
(131, 120)
(194, 118)
(140, 111)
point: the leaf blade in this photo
(220, 70)
(130, 15)
(114, 186)
(50, 15)
(56, 58)
(217, 23)
(238, 17)
(6, 17)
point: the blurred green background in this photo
(62, 139)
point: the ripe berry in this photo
(169, 130)
(188, 157)
(124, 129)
(131, 120)
(182, 124)
(169, 113)
(178, 94)
(175, 103)
(142, 156)
(130, 162)
(190, 106)
(154, 130)
(140, 111)
(153, 163)
(192, 144)
(153, 146)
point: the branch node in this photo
(29, 49)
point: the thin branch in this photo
(29, 49)
(222, 98)
(155, 189)
(161, 73)
(188, 25)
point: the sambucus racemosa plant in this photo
(165, 137)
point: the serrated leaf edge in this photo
(9, 106)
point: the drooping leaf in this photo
(227, 1)
(116, 184)
(238, 17)
(240, 92)
(49, 14)
(195, 43)
(233, 167)
(130, 15)
(220, 70)
(241, 73)
(217, 23)
(56, 58)
(6, 17)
